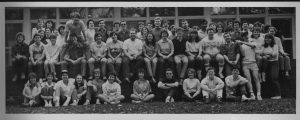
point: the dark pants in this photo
(169, 92)
(187, 99)
(163, 64)
(38, 68)
(19, 66)
(234, 95)
(76, 92)
(91, 95)
(272, 72)
(131, 66)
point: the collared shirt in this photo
(63, 86)
(141, 87)
(180, 47)
(21, 49)
(133, 46)
(98, 49)
(230, 50)
(115, 48)
(37, 51)
(165, 47)
(52, 51)
(157, 33)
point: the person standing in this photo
(124, 33)
(102, 30)
(90, 32)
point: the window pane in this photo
(283, 26)
(108, 24)
(165, 11)
(171, 22)
(133, 12)
(252, 10)
(190, 11)
(282, 10)
(13, 14)
(223, 11)
(194, 22)
(44, 13)
(65, 12)
(105, 12)
(222, 20)
(253, 20)
(134, 24)
(10, 33)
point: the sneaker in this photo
(74, 103)
(46, 105)
(23, 76)
(219, 100)
(252, 97)
(98, 102)
(87, 102)
(15, 78)
(50, 104)
(221, 75)
(206, 100)
(276, 97)
(244, 98)
(168, 99)
(136, 101)
(57, 104)
(259, 97)
(172, 99)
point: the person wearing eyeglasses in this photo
(123, 32)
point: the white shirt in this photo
(52, 51)
(133, 47)
(66, 88)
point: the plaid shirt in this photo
(230, 50)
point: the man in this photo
(36, 52)
(211, 50)
(64, 89)
(123, 32)
(132, 59)
(75, 26)
(231, 53)
(20, 56)
(249, 64)
(186, 29)
(237, 26)
(51, 52)
(116, 26)
(235, 83)
(74, 56)
(156, 31)
(168, 85)
(166, 27)
(149, 26)
(212, 86)
(102, 30)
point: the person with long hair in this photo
(194, 51)
(191, 86)
(219, 35)
(141, 89)
(150, 52)
(60, 39)
(270, 64)
(90, 31)
(20, 55)
(31, 91)
(79, 93)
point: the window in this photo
(190, 11)
(133, 12)
(108, 24)
(134, 24)
(283, 26)
(253, 20)
(252, 10)
(65, 12)
(282, 10)
(11, 30)
(13, 14)
(43, 13)
(171, 22)
(223, 11)
(162, 11)
(194, 22)
(222, 20)
(104, 12)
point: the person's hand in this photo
(165, 57)
(34, 63)
(79, 95)
(238, 41)
(73, 61)
(95, 88)
(199, 56)
(285, 54)
(234, 62)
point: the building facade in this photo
(24, 19)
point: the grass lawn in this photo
(266, 106)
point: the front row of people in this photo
(69, 91)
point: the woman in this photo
(111, 90)
(143, 34)
(194, 51)
(180, 56)
(114, 52)
(48, 90)
(79, 93)
(90, 32)
(31, 91)
(191, 86)
(141, 89)
(150, 51)
(60, 39)
(270, 63)
(220, 33)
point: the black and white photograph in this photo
(149, 58)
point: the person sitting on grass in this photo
(141, 89)
(191, 87)
(94, 88)
(212, 86)
(31, 91)
(168, 85)
(64, 89)
(111, 90)
(235, 83)
(78, 95)
(48, 90)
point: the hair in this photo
(36, 34)
(191, 70)
(97, 34)
(153, 40)
(244, 34)
(146, 29)
(272, 40)
(61, 27)
(100, 20)
(49, 29)
(75, 14)
(244, 21)
(52, 36)
(257, 24)
(164, 31)
(77, 85)
(169, 69)
(209, 28)
(158, 18)
(210, 68)
(229, 20)
(112, 33)
(32, 75)
(266, 28)
(88, 22)
(197, 37)
(117, 22)
(20, 34)
(50, 73)
(123, 21)
(133, 29)
(141, 70)
(272, 27)
(225, 33)
(50, 21)
(212, 23)
(184, 20)
(252, 36)
(237, 22)
(141, 23)
(218, 25)
(113, 74)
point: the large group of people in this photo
(178, 63)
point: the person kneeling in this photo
(111, 90)
(212, 86)
(191, 86)
(235, 83)
(141, 89)
(168, 85)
